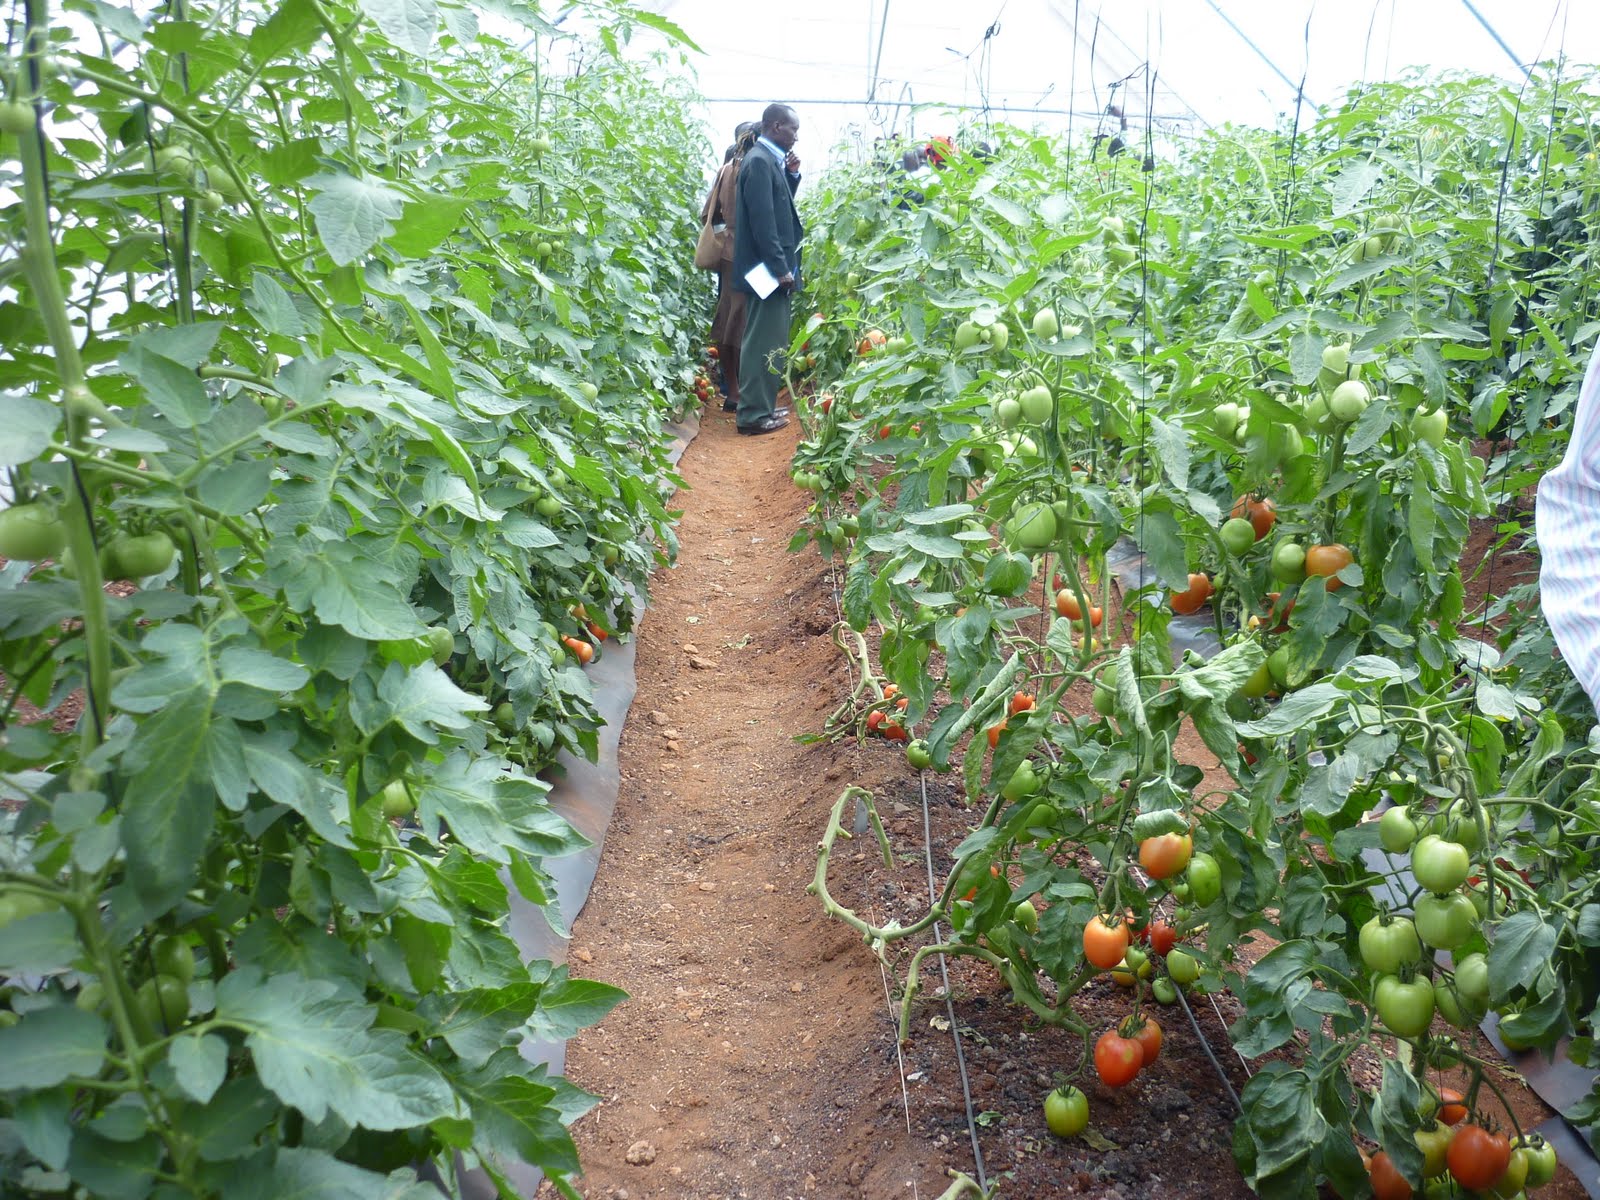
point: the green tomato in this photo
(1456, 823)
(1225, 420)
(175, 162)
(1037, 404)
(540, 146)
(1430, 427)
(1031, 527)
(1405, 1007)
(1388, 943)
(967, 336)
(588, 391)
(1434, 1142)
(29, 532)
(1446, 921)
(441, 644)
(1448, 1005)
(1238, 535)
(397, 801)
(1204, 877)
(1349, 401)
(1024, 782)
(1164, 991)
(1438, 865)
(1472, 979)
(1336, 358)
(548, 506)
(91, 996)
(163, 1002)
(1066, 1112)
(1008, 413)
(1397, 832)
(1183, 968)
(1288, 562)
(1509, 1185)
(1278, 666)
(1259, 683)
(505, 717)
(918, 754)
(17, 117)
(173, 956)
(137, 556)
(1104, 701)
(1541, 1159)
(1045, 324)
(1026, 916)
(999, 336)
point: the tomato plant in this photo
(1330, 390)
(316, 300)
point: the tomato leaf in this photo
(199, 1064)
(49, 1046)
(28, 429)
(1523, 945)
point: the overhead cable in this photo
(1498, 40)
(1260, 53)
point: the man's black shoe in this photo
(782, 411)
(730, 406)
(766, 425)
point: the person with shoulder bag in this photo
(714, 252)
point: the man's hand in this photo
(792, 163)
(786, 281)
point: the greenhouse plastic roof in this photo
(1187, 63)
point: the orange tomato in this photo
(1164, 855)
(1328, 561)
(995, 731)
(873, 339)
(1190, 600)
(1021, 703)
(1452, 1110)
(581, 650)
(1105, 941)
(1387, 1182)
(1260, 512)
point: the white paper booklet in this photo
(763, 280)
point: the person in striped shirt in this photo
(1567, 522)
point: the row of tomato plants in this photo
(1266, 365)
(341, 338)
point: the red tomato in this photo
(1259, 511)
(1148, 1035)
(1477, 1157)
(1163, 937)
(1117, 1059)
(1021, 703)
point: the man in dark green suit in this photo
(766, 241)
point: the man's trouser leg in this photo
(766, 331)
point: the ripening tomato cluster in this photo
(1460, 1155)
(882, 723)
